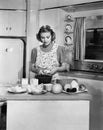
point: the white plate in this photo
(77, 92)
(16, 91)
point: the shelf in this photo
(68, 21)
(68, 32)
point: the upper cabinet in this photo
(55, 3)
(71, 2)
(12, 4)
(48, 3)
(54, 18)
(13, 17)
(12, 23)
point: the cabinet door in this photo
(12, 23)
(3, 23)
(48, 3)
(17, 23)
(47, 115)
(11, 60)
(71, 2)
(54, 18)
(13, 4)
(51, 18)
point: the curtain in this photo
(79, 39)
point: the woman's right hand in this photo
(42, 70)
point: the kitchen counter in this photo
(26, 111)
(82, 74)
(4, 95)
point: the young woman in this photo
(48, 58)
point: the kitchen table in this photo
(47, 111)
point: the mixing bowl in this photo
(44, 78)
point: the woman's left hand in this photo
(54, 70)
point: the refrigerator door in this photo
(11, 60)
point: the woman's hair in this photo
(44, 29)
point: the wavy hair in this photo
(44, 29)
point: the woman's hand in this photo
(37, 69)
(54, 70)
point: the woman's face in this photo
(46, 38)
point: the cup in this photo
(48, 87)
(24, 81)
(34, 81)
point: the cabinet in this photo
(47, 114)
(12, 23)
(56, 3)
(48, 3)
(55, 19)
(71, 2)
(11, 60)
(12, 4)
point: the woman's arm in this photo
(33, 67)
(62, 59)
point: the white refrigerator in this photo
(11, 60)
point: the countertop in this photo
(81, 74)
(5, 95)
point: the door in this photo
(3, 23)
(16, 23)
(51, 18)
(12, 23)
(11, 60)
(48, 4)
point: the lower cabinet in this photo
(48, 115)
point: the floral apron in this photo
(47, 60)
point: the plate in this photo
(17, 90)
(77, 92)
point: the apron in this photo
(47, 60)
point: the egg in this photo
(66, 86)
(74, 84)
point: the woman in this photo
(48, 58)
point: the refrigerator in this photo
(11, 60)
